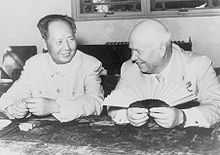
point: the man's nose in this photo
(134, 56)
(67, 45)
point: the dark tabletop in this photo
(84, 136)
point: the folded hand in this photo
(137, 116)
(41, 106)
(17, 110)
(167, 117)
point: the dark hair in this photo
(45, 21)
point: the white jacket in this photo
(186, 77)
(75, 86)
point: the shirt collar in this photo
(166, 70)
(174, 66)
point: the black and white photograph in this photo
(110, 77)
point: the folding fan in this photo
(173, 93)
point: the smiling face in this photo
(147, 58)
(61, 42)
(148, 43)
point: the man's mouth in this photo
(65, 54)
(139, 63)
(142, 67)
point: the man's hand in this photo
(17, 110)
(119, 116)
(167, 117)
(42, 106)
(137, 116)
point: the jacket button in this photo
(58, 90)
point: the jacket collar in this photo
(62, 69)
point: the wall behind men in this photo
(204, 32)
(19, 19)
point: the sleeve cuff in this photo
(65, 113)
(119, 116)
(70, 109)
(195, 118)
(5, 112)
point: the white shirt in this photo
(75, 86)
(186, 77)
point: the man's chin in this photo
(66, 59)
(146, 72)
(143, 70)
(63, 61)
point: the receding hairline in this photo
(45, 22)
(59, 21)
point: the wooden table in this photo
(52, 137)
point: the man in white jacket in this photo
(161, 70)
(63, 82)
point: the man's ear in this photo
(165, 43)
(163, 48)
(45, 45)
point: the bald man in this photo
(161, 70)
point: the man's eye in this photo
(59, 42)
(72, 39)
(135, 52)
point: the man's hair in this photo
(44, 22)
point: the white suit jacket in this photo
(75, 86)
(186, 77)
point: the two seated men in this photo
(65, 82)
